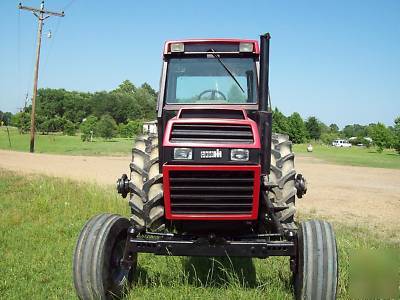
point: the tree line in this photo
(122, 111)
(312, 129)
(101, 114)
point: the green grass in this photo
(41, 217)
(354, 156)
(72, 145)
(61, 144)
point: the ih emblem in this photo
(211, 153)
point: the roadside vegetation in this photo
(354, 156)
(122, 111)
(40, 220)
(67, 145)
(313, 130)
(118, 113)
(72, 145)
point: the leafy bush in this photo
(106, 127)
(69, 128)
(88, 128)
(314, 128)
(396, 133)
(360, 140)
(50, 125)
(22, 120)
(328, 137)
(132, 128)
(297, 129)
(279, 122)
(381, 136)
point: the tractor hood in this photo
(220, 127)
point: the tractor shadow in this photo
(220, 271)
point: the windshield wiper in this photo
(226, 69)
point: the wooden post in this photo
(41, 14)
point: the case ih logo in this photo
(211, 153)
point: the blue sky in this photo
(337, 60)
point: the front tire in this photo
(316, 273)
(97, 271)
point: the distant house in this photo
(150, 127)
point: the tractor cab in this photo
(209, 137)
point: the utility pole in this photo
(41, 14)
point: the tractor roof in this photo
(219, 45)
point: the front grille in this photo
(211, 192)
(212, 133)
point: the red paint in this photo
(256, 49)
(246, 121)
(211, 107)
(198, 168)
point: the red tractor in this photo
(214, 180)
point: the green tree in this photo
(149, 89)
(69, 128)
(313, 128)
(380, 135)
(235, 94)
(106, 127)
(22, 120)
(396, 133)
(328, 137)
(132, 128)
(88, 128)
(279, 122)
(7, 116)
(126, 87)
(334, 128)
(297, 129)
(356, 130)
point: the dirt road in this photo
(353, 195)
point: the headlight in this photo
(240, 154)
(246, 47)
(183, 153)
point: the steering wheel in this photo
(213, 92)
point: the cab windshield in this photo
(211, 80)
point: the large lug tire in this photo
(316, 273)
(282, 180)
(146, 200)
(97, 271)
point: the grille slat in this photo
(211, 188)
(212, 133)
(211, 192)
(207, 196)
(232, 204)
(235, 180)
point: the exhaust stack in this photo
(264, 72)
(265, 115)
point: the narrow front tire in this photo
(316, 273)
(97, 271)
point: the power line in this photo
(68, 5)
(19, 54)
(53, 37)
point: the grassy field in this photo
(354, 156)
(72, 145)
(61, 144)
(41, 217)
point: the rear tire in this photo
(146, 200)
(282, 177)
(97, 271)
(316, 275)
